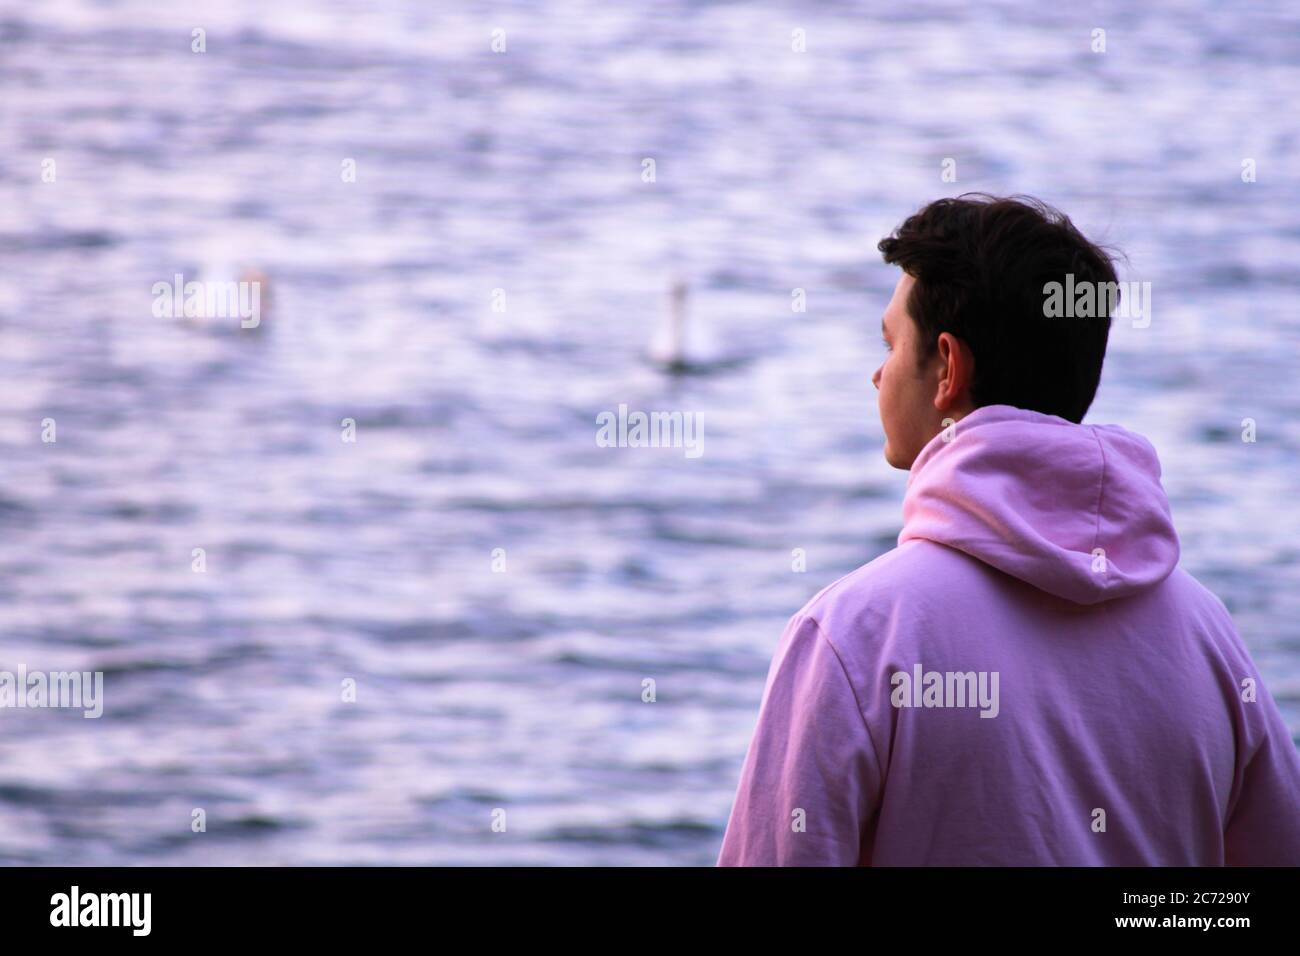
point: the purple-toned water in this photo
(521, 171)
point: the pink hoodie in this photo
(1027, 679)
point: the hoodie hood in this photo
(1075, 510)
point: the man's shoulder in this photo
(1190, 590)
(1200, 603)
(875, 588)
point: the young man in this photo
(1028, 678)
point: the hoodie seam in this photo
(875, 757)
(1101, 488)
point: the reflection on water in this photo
(515, 179)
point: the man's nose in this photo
(875, 379)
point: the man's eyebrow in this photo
(883, 330)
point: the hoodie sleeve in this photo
(1263, 826)
(810, 782)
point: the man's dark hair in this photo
(981, 263)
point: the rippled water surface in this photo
(522, 172)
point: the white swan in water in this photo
(684, 349)
(679, 348)
(669, 348)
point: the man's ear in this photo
(956, 371)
